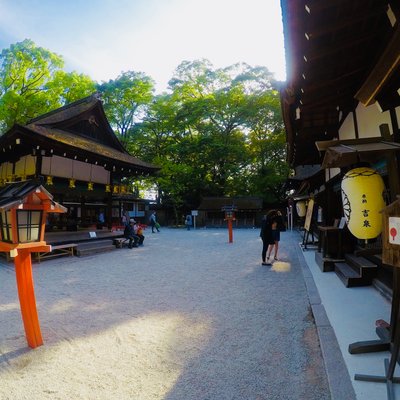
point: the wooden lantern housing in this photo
(23, 209)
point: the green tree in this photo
(32, 83)
(25, 70)
(68, 87)
(208, 133)
(125, 101)
(267, 146)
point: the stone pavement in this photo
(186, 316)
(345, 316)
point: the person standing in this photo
(188, 221)
(101, 220)
(125, 218)
(153, 222)
(277, 225)
(266, 237)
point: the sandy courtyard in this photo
(186, 316)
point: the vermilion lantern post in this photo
(230, 216)
(23, 209)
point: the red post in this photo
(26, 294)
(230, 230)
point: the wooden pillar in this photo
(26, 294)
(38, 168)
(109, 203)
(394, 184)
(230, 230)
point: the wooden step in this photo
(384, 290)
(359, 261)
(326, 264)
(366, 268)
(94, 247)
(349, 276)
(94, 250)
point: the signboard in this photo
(394, 230)
(309, 214)
(195, 213)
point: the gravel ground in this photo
(188, 316)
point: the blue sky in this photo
(103, 38)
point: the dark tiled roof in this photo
(14, 193)
(61, 128)
(88, 145)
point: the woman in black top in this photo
(271, 226)
(266, 237)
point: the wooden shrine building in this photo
(341, 102)
(81, 161)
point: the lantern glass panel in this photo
(5, 223)
(29, 224)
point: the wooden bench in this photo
(58, 250)
(120, 242)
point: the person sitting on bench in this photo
(139, 232)
(129, 233)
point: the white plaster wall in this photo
(25, 166)
(6, 170)
(67, 168)
(331, 173)
(347, 130)
(369, 118)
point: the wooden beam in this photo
(330, 100)
(384, 68)
(347, 45)
(350, 21)
(317, 5)
(338, 82)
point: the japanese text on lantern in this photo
(365, 212)
(394, 230)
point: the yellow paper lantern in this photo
(71, 183)
(301, 208)
(108, 188)
(90, 186)
(362, 196)
(49, 180)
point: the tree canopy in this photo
(218, 133)
(215, 132)
(125, 100)
(32, 83)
